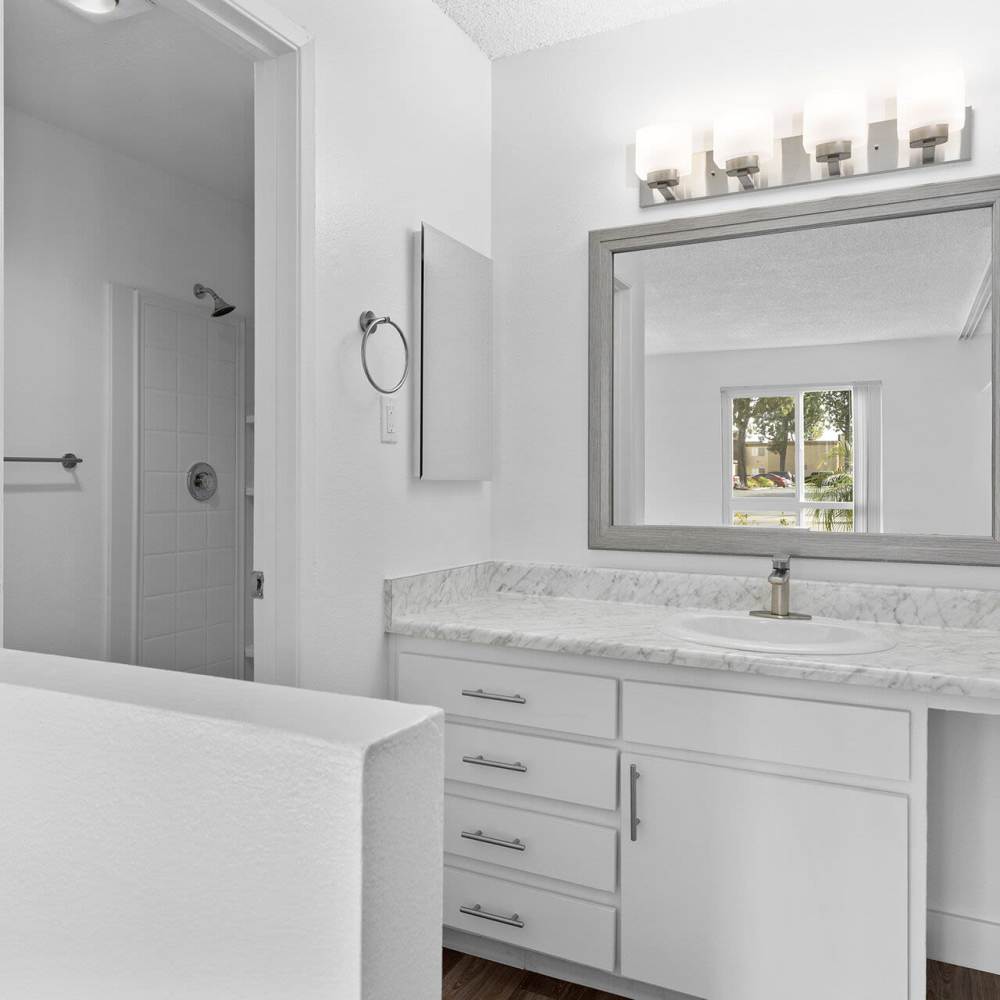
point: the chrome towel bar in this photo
(67, 461)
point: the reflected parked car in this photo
(782, 479)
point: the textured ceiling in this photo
(153, 86)
(887, 280)
(506, 27)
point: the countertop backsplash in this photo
(937, 607)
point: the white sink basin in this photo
(733, 630)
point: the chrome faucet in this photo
(780, 581)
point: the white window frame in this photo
(866, 423)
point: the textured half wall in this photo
(168, 835)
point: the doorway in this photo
(133, 174)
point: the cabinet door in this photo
(747, 886)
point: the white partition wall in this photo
(171, 835)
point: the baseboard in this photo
(557, 968)
(957, 940)
(965, 941)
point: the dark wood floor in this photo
(950, 982)
(468, 978)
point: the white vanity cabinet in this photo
(779, 836)
(760, 886)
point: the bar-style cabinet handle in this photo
(502, 764)
(514, 845)
(478, 911)
(633, 780)
(511, 699)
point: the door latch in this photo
(257, 583)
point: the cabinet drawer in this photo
(552, 846)
(534, 765)
(574, 929)
(567, 703)
(848, 738)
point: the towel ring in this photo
(369, 323)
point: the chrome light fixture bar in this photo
(884, 150)
(837, 141)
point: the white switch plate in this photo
(390, 420)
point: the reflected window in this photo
(806, 457)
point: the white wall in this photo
(563, 118)
(963, 887)
(936, 426)
(403, 136)
(186, 836)
(76, 217)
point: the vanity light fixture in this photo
(836, 131)
(930, 108)
(663, 155)
(834, 125)
(743, 140)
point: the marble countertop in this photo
(933, 660)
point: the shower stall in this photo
(179, 535)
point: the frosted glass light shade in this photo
(834, 116)
(934, 97)
(667, 146)
(95, 6)
(748, 132)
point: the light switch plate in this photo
(389, 419)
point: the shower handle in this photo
(202, 481)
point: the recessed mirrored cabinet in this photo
(816, 379)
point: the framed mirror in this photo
(815, 379)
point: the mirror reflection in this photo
(832, 379)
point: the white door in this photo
(746, 886)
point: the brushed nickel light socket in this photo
(743, 168)
(927, 138)
(664, 181)
(831, 153)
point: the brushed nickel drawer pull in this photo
(502, 764)
(514, 845)
(478, 911)
(634, 821)
(513, 699)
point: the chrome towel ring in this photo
(369, 323)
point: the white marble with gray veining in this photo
(947, 640)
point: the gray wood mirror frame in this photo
(616, 473)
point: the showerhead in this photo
(220, 306)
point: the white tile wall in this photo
(190, 391)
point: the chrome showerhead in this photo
(220, 306)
